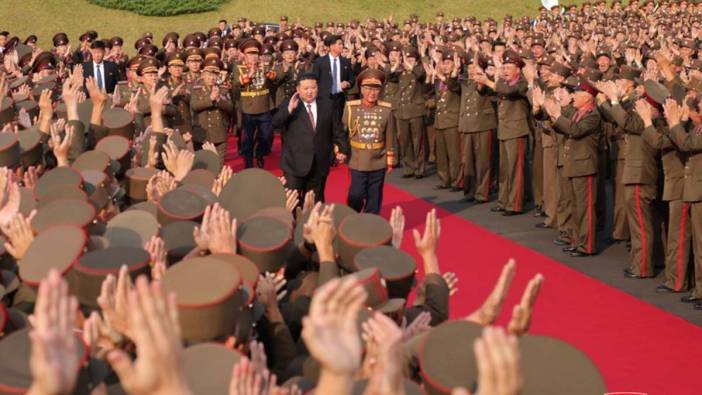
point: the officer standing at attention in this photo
(371, 128)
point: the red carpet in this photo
(636, 346)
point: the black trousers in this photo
(366, 191)
(315, 181)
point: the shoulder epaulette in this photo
(122, 82)
(353, 102)
(384, 104)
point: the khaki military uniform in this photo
(512, 134)
(617, 142)
(448, 148)
(371, 132)
(582, 134)
(410, 111)
(549, 159)
(690, 143)
(182, 120)
(679, 235)
(640, 178)
(212, 117)
(477, 123)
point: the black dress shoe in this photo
(407, 175)
(438, 187)
(664, 289)
(561, 242)
(419, 176)
(456, 189)
(478, 201)
(259, 162)
(509, 213)
(497, 209)
(690, 299)
(537, 212)
(578, 254)
(629, 274)
(468, 199)
(569, 249)
(541, 225)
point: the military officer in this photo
(371, 128)
(253, 84)
(212, 106)
(477, 123)
(512, 131)
(179, 92)
(193, 59)
(411, 107)
(448, 101)
(580, 124)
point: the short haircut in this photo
(331, 39)
(306, 76)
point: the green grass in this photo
(46, 17)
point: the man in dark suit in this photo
(105, 73)
(313, 138)
(334, 74)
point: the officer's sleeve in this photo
(436, 300)
(143, 106)
(199, 101)
(588, 125)
(453, 85)
(390, 135)
(513, 92)
(630, 122)
(686, 142)
(225, 105)
(656, 138)
(78, 143)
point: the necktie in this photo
(335, 73)
(98, 77)
(311, 116)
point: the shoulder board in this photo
(384, 104)
(353, 102)
(122, 82)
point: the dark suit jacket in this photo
(302, 144)
(111, 72)
(322, 68)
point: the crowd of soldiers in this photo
(118, 172)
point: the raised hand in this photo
(54, 360)
(487, 313)
(224, 175)
(644, 111)
(61, 146)
(330, 329)
(158, 368)
(292, 198)
(9, 196)
(19, 234)
(521, 314)
(294, 101)
(397, 222)
(427, 243)
(157, 252)
(113, 301)
(221, 231)
(673, 112)
(177, 162)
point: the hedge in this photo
(161, 7)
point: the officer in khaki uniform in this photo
(690, 143)
(193, 60)
(212, 106)
(580, 124)
(289, 70)
(627, 79)
(640, 178)
(125, 89)
(677, 246)
(549, 144)
(477, 123)
(179, 92)
(411, 107)
(448, 142)
(371, 129)
(512, 132)
(253, 85)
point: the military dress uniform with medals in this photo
(371, 130)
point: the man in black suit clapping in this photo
(104, 72)
(334, 74)
(313, 138)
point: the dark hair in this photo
(331, 39)
(97, 44)
(306, 76)
(222, 20)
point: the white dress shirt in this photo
(99, 73)
(338, 71)
(313, 107)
